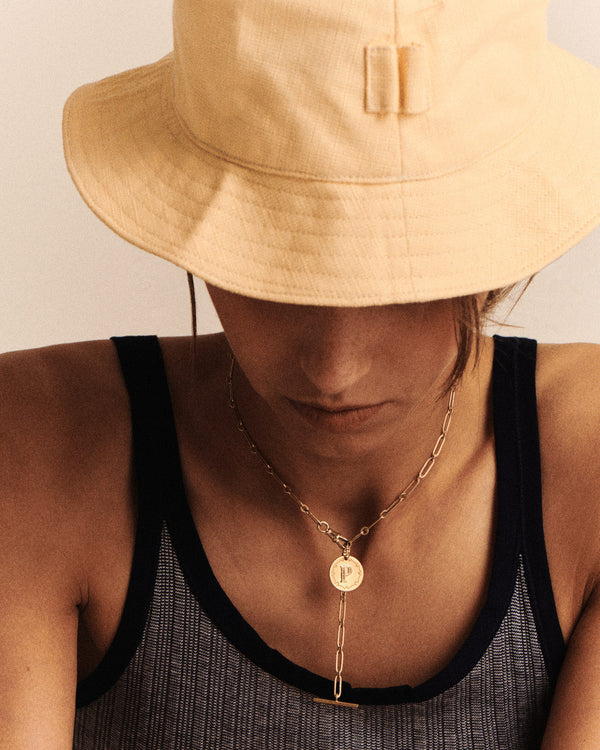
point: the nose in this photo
(335, 351)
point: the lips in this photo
(338, 418)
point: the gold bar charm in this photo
(335, 703)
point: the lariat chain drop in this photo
(346, 572)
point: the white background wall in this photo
(65, 277)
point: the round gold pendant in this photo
(346, 574)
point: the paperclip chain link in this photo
(323, 526)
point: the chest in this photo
(426, 578)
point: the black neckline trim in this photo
(220, 610)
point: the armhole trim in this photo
(520, 358)
(141, 364)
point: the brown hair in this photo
(471, 313)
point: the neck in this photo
(349, 482)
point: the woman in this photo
(325, 528)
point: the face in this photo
(339, 371)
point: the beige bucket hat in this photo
(347, 152)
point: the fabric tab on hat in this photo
(398, 79)
(383, 83)
(416, 79)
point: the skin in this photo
(336, 358)
(68, 512)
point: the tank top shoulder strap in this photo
(156, 451)
(157, 478)
(519, 477)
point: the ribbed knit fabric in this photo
(186, 671)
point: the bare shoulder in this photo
(55, 407)
(63, 424)
(568, 393)
(559, 364)
(52, 370)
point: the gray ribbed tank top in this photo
(186, 671)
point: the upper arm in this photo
(38, 636)
(569, 415)
(575, 716)
(41, 570)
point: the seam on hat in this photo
(253, 177)
(377, 199)
(170, 255)
(389, 217)
(345, 179)
(337, 235)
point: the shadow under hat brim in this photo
(285, 239)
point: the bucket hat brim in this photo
(490, 224)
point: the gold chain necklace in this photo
(346, 572)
